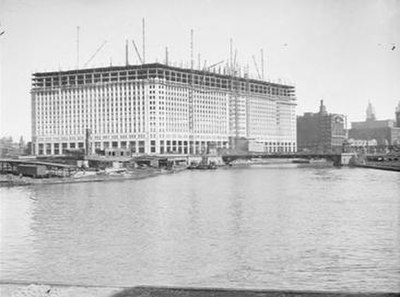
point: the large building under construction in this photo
(156, 109)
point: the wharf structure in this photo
(157, 109)
(321, 132)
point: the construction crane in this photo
(234, 63)
(255, 64)
(126, 53)
(262, 63)
(96, 52)
(77, 47)
(2, 31)
(205, 69)
(166, 55)
(214, 65)
(144, 41)
(137, 52)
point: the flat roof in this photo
(156, 66)
(35, 162)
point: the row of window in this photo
(182, 77)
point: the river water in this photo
(272, 227)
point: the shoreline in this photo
(11, 180)
(380, 166)
(17, 289)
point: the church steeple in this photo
(370, 112)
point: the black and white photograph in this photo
(199, 148)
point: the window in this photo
(141, 146)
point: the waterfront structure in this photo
(384, 132)
(321, 132)
(156, 109)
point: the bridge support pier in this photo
(344, 159)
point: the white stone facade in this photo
(157, 109)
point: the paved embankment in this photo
(19, 290)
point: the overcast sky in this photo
(340, 51)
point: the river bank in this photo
(390, 166)
(42, 290)
(10, 180)
(55, 290)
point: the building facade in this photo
(321, 132)
(384, 132)
(156, 109)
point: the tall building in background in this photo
(381, 132)
(321, 132)
(371, 112)
(156, 109)
(397, 113)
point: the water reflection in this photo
(16, 234)
(276, 228)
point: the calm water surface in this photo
(281, 227)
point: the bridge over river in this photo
(337, 158)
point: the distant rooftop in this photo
(373, 124)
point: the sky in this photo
(339, 51)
